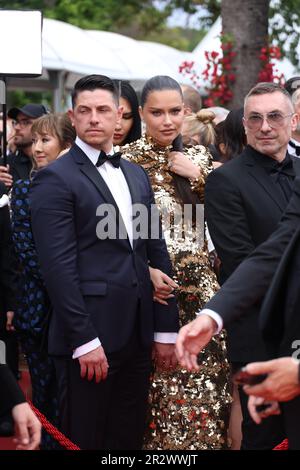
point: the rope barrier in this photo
(284, 445)
(53, 431)
(69, 445)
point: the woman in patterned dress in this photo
(51, 135)
(186, 411)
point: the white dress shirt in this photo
(215, 316)
(117, 184)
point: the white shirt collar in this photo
(296, 142)
(90, 151)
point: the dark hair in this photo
(264, 88)
(181, 184)
(233, 133)
(58, 125)
(94, 82)
(126, 91)
(292, 84)
(159, 83)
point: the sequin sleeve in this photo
(201, 157)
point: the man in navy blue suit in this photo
(104, 320)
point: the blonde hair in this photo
(200, 124)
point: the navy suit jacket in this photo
(95, 285)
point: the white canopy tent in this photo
(69, 52)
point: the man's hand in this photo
(282, 382)
(94, 365)
(164, 356)
(272, 408)
(5, 176)
(191, 340)
(9, 321)
(183, 166)
(27, 427)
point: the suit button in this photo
(134, 283)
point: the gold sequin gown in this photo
(187, 411)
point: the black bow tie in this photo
(113, 159)
(296, 147)
(285, 167)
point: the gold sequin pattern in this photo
(187, 411)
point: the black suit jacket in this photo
(95, 285)
(8, 277)
(10, 393)
(265, 277)
(243, 206)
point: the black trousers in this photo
(291, 416)
(109, 415)
(264, 436)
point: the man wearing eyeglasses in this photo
(244, 201)
(19, 163)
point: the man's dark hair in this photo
(292, 84)
(264, 88)
(94, 82)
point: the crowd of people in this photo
(95, 290)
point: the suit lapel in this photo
(296, 165)
(130, 176)
(259, 174)
(91, 172)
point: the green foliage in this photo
(286, 27)
(19, 97)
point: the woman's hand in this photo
(163, 286)
(9, 321)
(183, 166)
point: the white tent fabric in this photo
(67, 47)
(139, 61)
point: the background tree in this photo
(247, 24)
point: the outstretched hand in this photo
(192, 338)
(281, 383)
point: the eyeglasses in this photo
(274, 119)
(22, 123)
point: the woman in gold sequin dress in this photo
(186, 411)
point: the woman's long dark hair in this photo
(181, 184)
(127, 92)
(234, 137)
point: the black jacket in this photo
(8, 277)
(243, 206)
